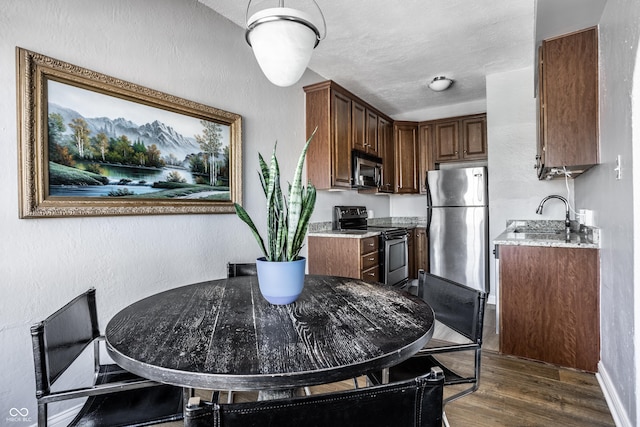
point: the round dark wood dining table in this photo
(223, 335)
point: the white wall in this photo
(178, 47)
(514, 189)
(613, 203)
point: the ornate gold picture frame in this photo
(92, 145)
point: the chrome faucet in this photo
(567, 221)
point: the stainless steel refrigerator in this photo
(458, 225)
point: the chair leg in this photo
(230, 396)
(307, 391)
(445, 421)
(187, 393)
(385, 376)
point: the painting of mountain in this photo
(105, 146)
(165, 137)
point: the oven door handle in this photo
(394, 239)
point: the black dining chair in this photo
(460, 308)
(115, 397)
(241, 269)
(413, 403)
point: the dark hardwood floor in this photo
(513, 391)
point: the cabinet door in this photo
(474, 138)
(386, 149)
(371, 137)
(540, 146)
(570, 96)
(424, 147)
(411, 254)
(445, 140)
(421, 248)
(334, 256)
(549, 305)
(341, 140)
(406, 143)
(359, 116)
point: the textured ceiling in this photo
(387, 52)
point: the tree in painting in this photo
(80, 134)
(57, 152)
(210, 143)
(102, 143)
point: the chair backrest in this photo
(457, 306)
(416, 402)
(60, 338)
(241, 269)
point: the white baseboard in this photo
(616, 408)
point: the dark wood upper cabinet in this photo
(474, 137)
(406, 154)
(358, 117)
(568, 102)
(424, 147)
(460, 139)
(387, 151)
(407, 149)
(345, 123)
(371, 140)
(329, 154)
(446, 141)
(365, 129)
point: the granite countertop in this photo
(549, 234)
(347, 234)
(324, 229)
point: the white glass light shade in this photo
(439, 84)
(282, 43)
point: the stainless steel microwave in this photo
(366, 170)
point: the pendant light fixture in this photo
(440, 83)
(283, 40)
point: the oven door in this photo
(396, 261)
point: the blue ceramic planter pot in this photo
(281, 282)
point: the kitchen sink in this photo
(538, 231)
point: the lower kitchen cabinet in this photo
(421, 249)
(344, 256)
(549, 304)
(411, 255)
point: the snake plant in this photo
(287, 217)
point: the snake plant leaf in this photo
(244, 216)
(287, 220)
(272, 180)
(263, 174)
(295, 201)
(308, 203)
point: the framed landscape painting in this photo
(90, 144)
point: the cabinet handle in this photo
(371, 244)
(371, 274)
(371, 259)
